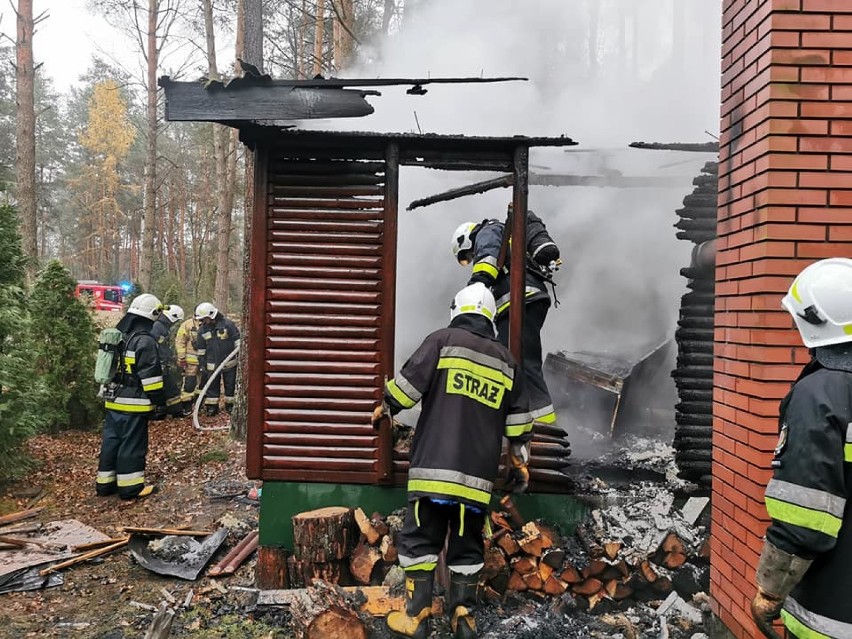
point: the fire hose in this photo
(203, 392)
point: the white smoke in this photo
(653, 81)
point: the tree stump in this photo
(302, 573)
(324, 535)
(322, 612)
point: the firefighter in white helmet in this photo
(133, 395)
(217, 338)
(471, 391)
(162, 333)
(481, 245)
(804, 570)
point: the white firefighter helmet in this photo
(174, 313)
(206, 310)
(145, 305)
(461, 240)
(820, 301)
(476, 298)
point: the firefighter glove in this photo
(765, 608)
(378, 412)
(547, 254)
(481, 277)
(519, 479)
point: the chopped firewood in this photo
(490, 595)
(673, 543)
(587, 538)
(623, 568)
(139, 530)
(617, 590)
(554, 586)
(366, 527)
(595, 568)
(516, 582)
(648, 572)
(379, 524)
(548, 535)
(544, 571)
(363, 561)
(553, 558)
(324, 535)
(388, 548)
(500, 521)
(18, 516)
(637, 581)
(495, 562)
(588, 587)
(533, 581)
(662, 585)
(600, 602)
(674, 560)
(531, 542)
(525, 565)
(85, 557)
(322, 611)
(509, 545)
(613, 571)
(571, 575)
(611, 549)
(500, 581)
(704, 550)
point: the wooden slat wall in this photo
(323, 368)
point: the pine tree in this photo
(64, 340)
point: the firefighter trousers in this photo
(541, 404)
(428, 524)
(193, 380)
(226, 378)
(124, 445)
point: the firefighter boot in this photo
(186, 408)
(414, 622)
(212, 410)
(461, 599)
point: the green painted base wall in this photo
(281, 500)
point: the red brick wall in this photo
(785, 200)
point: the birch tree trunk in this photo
(25, 135)
(387, 14)
(150, 189)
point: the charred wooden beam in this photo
(689, 147)
(615, 181)
(501, 182)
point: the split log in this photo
(363, 563)
(524, 565)
(495, 562)
(663, 585)
(516, 582)
(617, 590)
(324, 535)
(648, 572)
(588, 587)
(366, 527)
(509, 545)
(595, 568)
(553, 558)
(18, 516)
(531, 542)
(388, 549)
(611, 549)
(544, 571)
(548, 535)
(533, 581)
(674, 560)
(500, 521)
(672, 543)
(319, 613)
(379, 524)
(571, 575)
(554, 587)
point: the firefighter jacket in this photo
(806, 500)
(186, 341)
(472, 395)
(541, 250)
(138, 384)
(162, 333)
(216, 341)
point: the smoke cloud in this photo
(653, 76)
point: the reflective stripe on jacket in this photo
(217, 341)
(806, 500)
(186, 341)
(472, 396)
(138, 386)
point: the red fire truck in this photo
(101, 296)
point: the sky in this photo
(67, 39)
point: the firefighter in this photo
(472, 396)
(217, 338)
(130, 399)
(804, 569)
(162, 333)
(480, 245)
(186, 348)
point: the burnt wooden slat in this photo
(320, 440)
(331, 392)
(304, 283)
(324, 450)
(336, 344)
(279, 201)
(320, 192)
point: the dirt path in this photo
(95, 600)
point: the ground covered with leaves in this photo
(198, 474)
